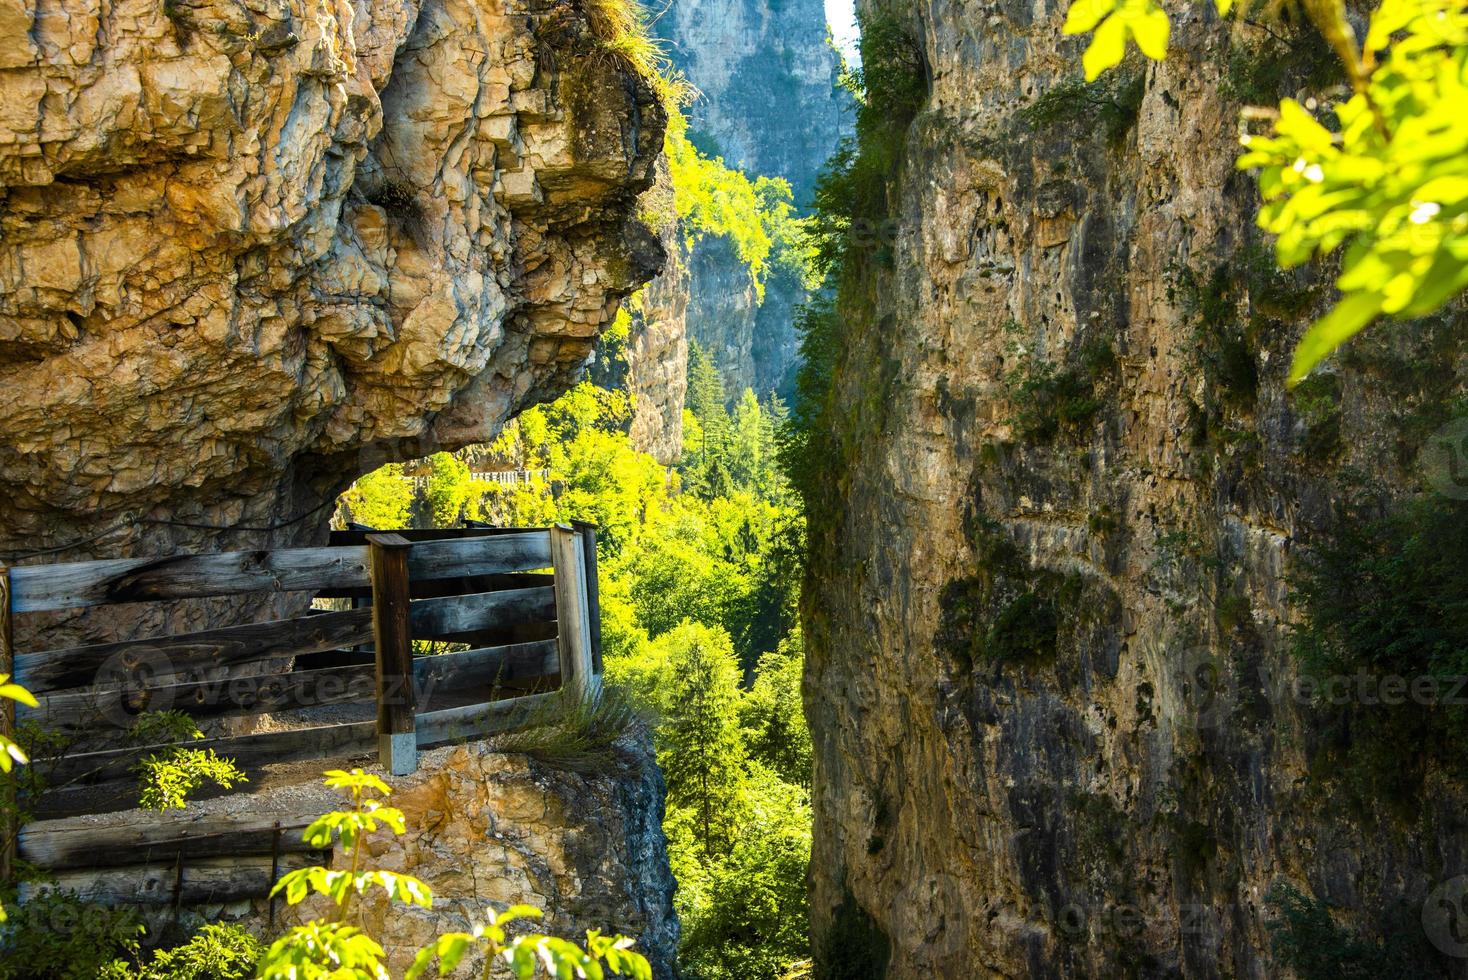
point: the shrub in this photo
(1384, 594)
(1059, 400)
(1309, 942)
(579, 737)
(167, 778)
(218, 951)
(58, 936)
(1114, 101)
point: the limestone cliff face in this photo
(770, 106)
(652, 360)
(1054, 442)
(250, 250)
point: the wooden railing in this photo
(532, 637)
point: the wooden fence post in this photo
(8, 811)
(573, 630)
(587, 531)
(397, 738)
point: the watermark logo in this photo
(1445, 917)
(930, 916)
(1444, 460)
(132, 681)
(1205, 691)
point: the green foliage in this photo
(382, 499)
(1260, 73)
(448, 490)
(744, 911)
(1389, 186)
(757, 216)
(772, 716)
(11, 754)
(217, 951)
(1006, 612)
(580, 736)
(700, 747)
(162, 727)
(57, 936)
(851, 206)
(1310, 943)
(1114, 103)
(167, 779)
(1052, 401)
(1388, 593)
(524, 955)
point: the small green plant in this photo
(1056, 400)
(340, 950)
(167, 778)
(578, 736)
(525, 954)
(218, 951)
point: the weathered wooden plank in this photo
(358, 536)
(512, 663)
(94, 583)
(578, 680)
(134, 662)
(482, 611)
(146, 837)
(491, 555)
(330, 741)
(209, 881)
(392, 639)
(481, 720)
(434, 588)
(225, 697)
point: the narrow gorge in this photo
(733, 489)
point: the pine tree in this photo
(701, 747)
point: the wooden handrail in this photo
(112, 681)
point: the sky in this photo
(841, 15)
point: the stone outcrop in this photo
(651, 361)
(770, 103)
(251, 250)
(484, 831)
(1066, 430)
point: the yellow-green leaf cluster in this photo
(1391, 186)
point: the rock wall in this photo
(484, 831)
(651, 361)
(251, 250)
(1048, 613)
(770, 106)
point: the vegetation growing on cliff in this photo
(1384, 647)
(1388, 187)
(757, 216)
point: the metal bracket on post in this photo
(392, 635)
